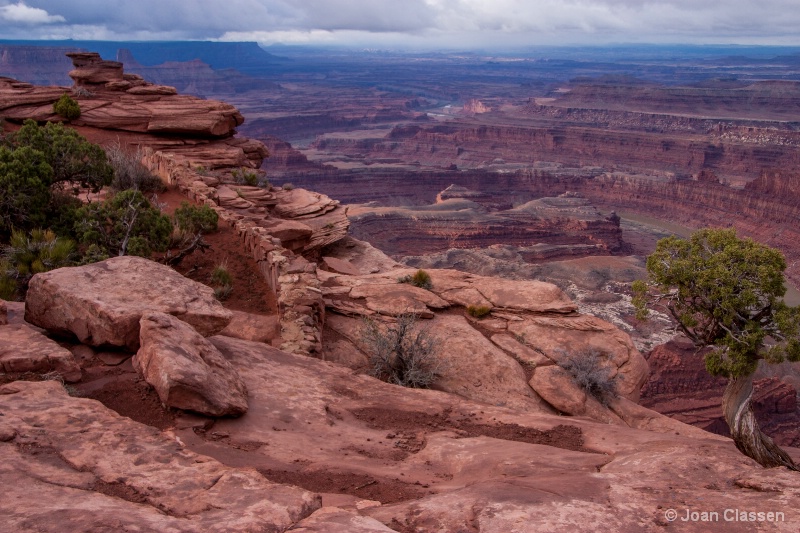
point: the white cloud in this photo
(431, 23)
(22, 14)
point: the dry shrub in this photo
(402, 353)
(478, 311)
(590, 374)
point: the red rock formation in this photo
(680, 386)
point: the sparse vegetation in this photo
(67, 108)
(420, 279)
(478, 311)
(221, 281)
(129, 172)
(402, 353)
(287, 187)
(590, 374)
(28, 254)
(243, 176)
(82, 92)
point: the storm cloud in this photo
(414, 23)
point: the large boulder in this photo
(101, 303)
(186, 370)
(24, 350)
(558, 337)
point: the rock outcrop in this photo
(71, 460)
(22, 349)
(101, 303)
(186, 370)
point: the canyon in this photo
(518, 196)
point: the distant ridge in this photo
(246, 57)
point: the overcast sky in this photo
(409, 23)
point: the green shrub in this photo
(67, 107)
(222, 281)
(420, 279)
(25, 178)
(73, 159)
(31, 253)
(287, 187)
(243, 176)
(478, 311)
(195, 219)
(125, 224)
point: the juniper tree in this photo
(726, 293)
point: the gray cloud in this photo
(409, 22)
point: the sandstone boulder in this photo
(532, 296)
(340, 266)
(525, 355)
(561, 336)
(558, 389)
(101, 303)
(475, 368)
(186, 370)
(24, 350)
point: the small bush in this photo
(28, 254)
(222, 281)
(196, 218)
(403, 353)
(478, 311)
(420, 279)
(587, 369)
(287, 187)
(82, 92)
(129, 172)
(67, 107)
(242, 176)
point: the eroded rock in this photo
(71, 460)
(24, 350)
(101, 303)
(186, 370)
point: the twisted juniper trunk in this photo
(744, 428)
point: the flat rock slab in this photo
(335, 520)
(67, 460)
(252, 327)
(24, 350)
(531, 296)
(101, 303)
(186, 370)
(341, 266)
(475, 368)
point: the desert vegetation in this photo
(45, 225)
(726, 293)
(420, 279)
(478, 311)
(588, 371)
(67, 108)
(403, 353)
